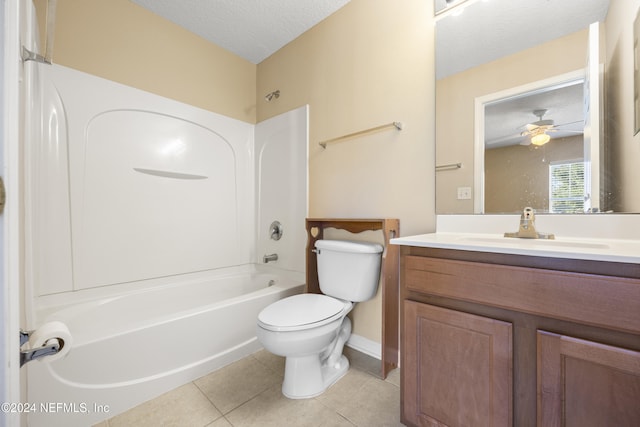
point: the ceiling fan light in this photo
(540, 139)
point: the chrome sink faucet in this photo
(268, 258)
(527, 229)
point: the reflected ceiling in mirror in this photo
(558, 111)
(490, 29)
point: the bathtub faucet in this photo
(267, 258)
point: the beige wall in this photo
(623, 145)
(368, 64)
(518, 176)
(121, 41)
(455, 97)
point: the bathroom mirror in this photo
(488, 53)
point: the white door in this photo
(10, 246)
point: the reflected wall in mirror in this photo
(474, 62)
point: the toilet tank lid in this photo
(349, 246)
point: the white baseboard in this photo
(365, 345)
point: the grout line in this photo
(208, 399)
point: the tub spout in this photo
(268, 258)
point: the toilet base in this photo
(305, 377)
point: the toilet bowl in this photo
(310, 330)
(313, 323)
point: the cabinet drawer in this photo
(604, 301)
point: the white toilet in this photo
(310, 330)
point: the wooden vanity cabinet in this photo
(505, 340)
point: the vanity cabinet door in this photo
(457, 368)
(584, 383)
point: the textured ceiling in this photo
(490, 29)
(252, 29)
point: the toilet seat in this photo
(304, 311)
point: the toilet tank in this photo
(348, 270)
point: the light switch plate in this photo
(464, 193)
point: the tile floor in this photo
(247, 393)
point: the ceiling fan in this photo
(537, 133)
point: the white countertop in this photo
(611, 250)
(610, 237)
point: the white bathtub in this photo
(133, 346)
